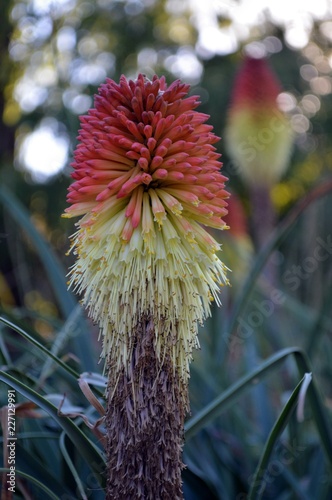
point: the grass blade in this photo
(55, 273)
(46, 351)
(34, 481)
(41, 470)
(276, 238)
(60, 341)
(320, 323)
(40, 346)
(50, 261)
(71, 466)
(316, 406)
(258, 484)
(90, 453)
(221, 402)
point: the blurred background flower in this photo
(258, 135)
(259, 139)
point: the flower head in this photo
(146, 179)
(258, 135)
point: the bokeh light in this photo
(62, 69)
(44, 152)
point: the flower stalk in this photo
(148, 404)
(147, 177)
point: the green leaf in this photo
(318, 413)
(71, 466)
(56, 274)
(46, 351)
(195, 488)
(322, 322)
(61, 338)
(221, 402)
(46, 472)
(297, 485)
(272, 243)
(258, 484)
(40, 346)
(89, 452)
(5, 356)
(51, 263)
(34, 481)
(34, 435)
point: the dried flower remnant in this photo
(147, 177)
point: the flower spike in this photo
(146, 178)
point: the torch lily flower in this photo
(259, 139)
(258, 135)
(147, 177)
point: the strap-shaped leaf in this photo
(258, 483)
(90, 453)
(56, 275)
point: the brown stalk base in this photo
(144, 422)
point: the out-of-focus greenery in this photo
(54, 54)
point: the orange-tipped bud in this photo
(258, 135)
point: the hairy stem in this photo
(146, 406)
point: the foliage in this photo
(244, 436)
